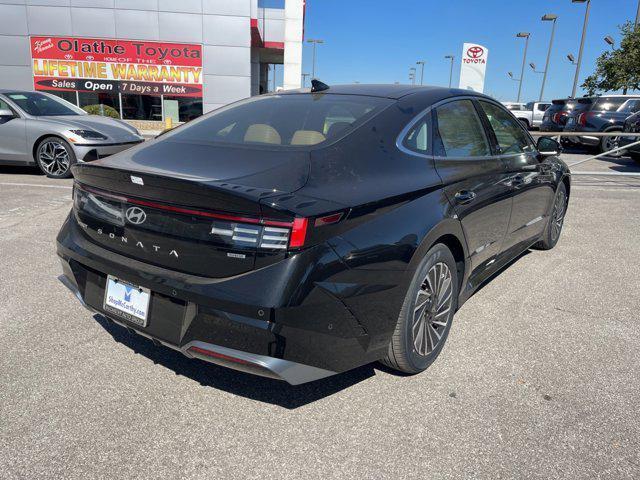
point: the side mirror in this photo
(6, 114)
(548, 147)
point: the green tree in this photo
(618, 69)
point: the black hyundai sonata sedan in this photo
(305, 233)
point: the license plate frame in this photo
(127, 300)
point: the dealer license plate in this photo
(127, 301)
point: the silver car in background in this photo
(44, 130)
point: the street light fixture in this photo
(412, 75)
(512, 77)
(571, 58)
(549, 17)
(421, 63)
(609, 40)
(584, 34)
(533, 67)
(314, 41)
(450, 57)
(526, 36)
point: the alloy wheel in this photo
(54, 158)
(611, 143)
(559, 209)
(432, 306)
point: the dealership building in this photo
(150, 59)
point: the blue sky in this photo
(376, 41)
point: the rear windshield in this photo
(292, 120)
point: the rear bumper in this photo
(289, 320)
(585, 140)
(277, 368)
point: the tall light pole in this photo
(314, 41)
(638, 15)
(526, 36)
(584, 34)
(421, 63)
(549, 17)
(450, 57)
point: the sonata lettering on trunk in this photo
(123, 239)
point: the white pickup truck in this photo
(530, 114)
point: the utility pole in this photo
(525, 35)
(584, 34)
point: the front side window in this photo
(510, 136)
(459, 132)
(291, 120)
(40, 105)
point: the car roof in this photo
(394, 91)
(9, 90)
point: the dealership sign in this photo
(473, 67)
(98, 65)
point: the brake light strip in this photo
(199, 213)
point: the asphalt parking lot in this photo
(539, 377)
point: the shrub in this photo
(107, 110)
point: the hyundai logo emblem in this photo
(136, 215)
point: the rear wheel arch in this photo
(450, 234)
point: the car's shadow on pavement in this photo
(238, 383)
(251, 386)
(20, 170)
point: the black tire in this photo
(55, 157)
(635, 156)
(409, 350)
(525, 123)
(553, 229)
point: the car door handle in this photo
(465, 196)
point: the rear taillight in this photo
(583, 117)
(556, 117)
(298, 232)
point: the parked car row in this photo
(610, 113)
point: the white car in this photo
(530, 114)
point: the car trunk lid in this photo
(190, 208)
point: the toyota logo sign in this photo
(475, 52)
(135, 215)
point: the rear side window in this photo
(542, 107)
(510, 136)
(293, 120)
(459, 132)
(608, 104)
(630, 106)
(417, 139)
